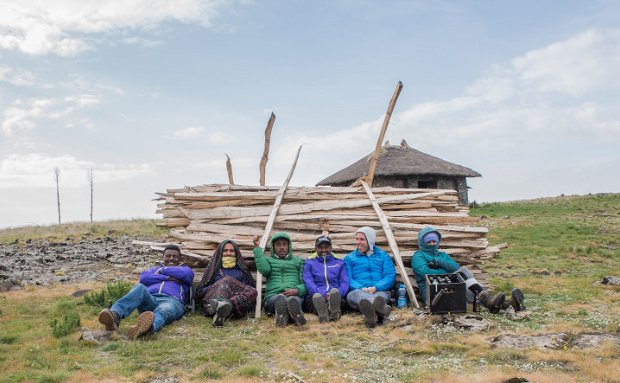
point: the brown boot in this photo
(494, 304)
(143, 325)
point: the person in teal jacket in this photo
(285, 287)
(371, 278)
(429, 260)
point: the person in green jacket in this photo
(285, 288)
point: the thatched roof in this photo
(400, 160)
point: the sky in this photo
(152, 95)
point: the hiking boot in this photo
(516, 299)
(110, 319)
(381, 307)
(368, 311)
(212, 307)
(281, 311)
(143, 325)
(494, 304)
(295, 313)
(333, 304)
(320, 305)
(221, 313)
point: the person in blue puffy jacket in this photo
(327, 282)
(429, 260)
(160, 296)
(371, 278)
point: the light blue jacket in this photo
(370, 270)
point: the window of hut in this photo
(427, 184)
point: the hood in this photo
(278, 236)
(371, 238)
(428, 248)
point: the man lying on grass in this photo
(160, 297)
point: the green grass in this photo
(558, 249)
(79, 230)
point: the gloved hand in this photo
(432, 264)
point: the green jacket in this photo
(281, 274)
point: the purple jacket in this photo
(170, 280)
(322, 274)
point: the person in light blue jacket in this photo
(429, 260)
(371, 278)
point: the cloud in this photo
(220, 138)
(22, 116)
(185, 134)
(135, 40)
(36, 170)
(17, 77)
(568, 87)
(62, 27)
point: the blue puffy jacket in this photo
(370, 270)
(428, 254)
(170, 280)
(322, 274)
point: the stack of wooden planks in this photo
(202, 216)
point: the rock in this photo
(97, 336)
(555, 340)
(539, 271)
(611, 281)
(80, 293)
(517, 379)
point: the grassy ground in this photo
(558, 249)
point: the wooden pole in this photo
(57, 178)
(375, 156)
(265, 237)
(229, 170)
(265, 158)
(392, 241)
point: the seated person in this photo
(371, 277)
(327, 281)
(285, 288)
(227, 286)
(429, 260)
(160, 297)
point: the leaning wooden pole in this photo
(229, 170)
(265, 237)
(392, 241)
(375, 156)
(265, 158)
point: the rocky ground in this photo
(40, 262)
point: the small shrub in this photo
(250, 371)
(65, 325)
(112, 292)
(8, 339)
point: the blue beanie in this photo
(432, 236)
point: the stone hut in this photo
(404, 167)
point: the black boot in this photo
(494, 304)
(516, 299)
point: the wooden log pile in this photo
(200, 217)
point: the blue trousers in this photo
(166, 308)
(355, 296)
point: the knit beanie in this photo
(371, 237)
(432, 236)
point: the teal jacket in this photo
(281, 274)
(427, 255)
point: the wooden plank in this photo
(265, 157)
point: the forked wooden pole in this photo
(375, 156)
(265, 158)
(229, 170)
(265, 237)
(392, 241)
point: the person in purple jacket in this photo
(160, 297)
(327, 282)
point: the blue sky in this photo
(151, 94)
